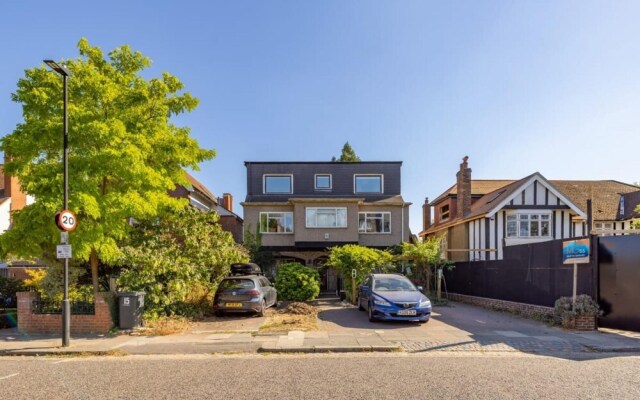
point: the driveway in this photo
(462, 327)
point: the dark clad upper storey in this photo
(304, 179)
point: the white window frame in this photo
(315, 182)
(268, 213)
(335, 209)
(356, 176)
(603, 227)
(366, 213)
(518, 220)
(264, 183)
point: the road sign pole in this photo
(575, 284)
(66, 311)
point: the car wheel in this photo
(263, 307)
(370, 314)
(219, 313)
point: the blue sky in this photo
(519, 87)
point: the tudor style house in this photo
(303, 208)
(478, 218)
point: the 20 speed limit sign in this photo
(66, 220)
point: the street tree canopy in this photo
(347, 155)
(125, 153)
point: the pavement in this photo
(456, 327)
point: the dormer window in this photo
(367, 183)
(278, 184)
(444, 212)
(323, 182)
(621, 205)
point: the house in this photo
(12, 198)
(303, 208)
(202, 199)
(478, 218)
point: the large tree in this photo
(125, 152)
(347, 155)
(178, 261)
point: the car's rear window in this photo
(237, 284)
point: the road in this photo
(346, 376)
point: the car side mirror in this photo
(364, 288)
(420, 288)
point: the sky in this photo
(518, 86)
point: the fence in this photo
(35, 316)
(530, 273)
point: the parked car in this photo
(393, 297)
(245, 293)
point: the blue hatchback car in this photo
(394, 298)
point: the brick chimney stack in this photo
(12, 190)
(426, 215)
(464, 189)
(227, 201)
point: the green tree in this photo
(426, 256)
(183, 253)
(295, 282)
(348, 154)
(362, 259)
(125, 153)
(253, 244)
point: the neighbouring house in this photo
(201, 198)
(303, 208)
(12, 199)
(478, 218)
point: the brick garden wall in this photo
(501, 304)
(30, 323)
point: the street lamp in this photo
(66, 311)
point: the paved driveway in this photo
(459, 327)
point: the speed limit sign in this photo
(66, 220)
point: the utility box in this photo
(130, 309)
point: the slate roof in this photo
(631, 203)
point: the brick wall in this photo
(30, 323)
(502, 304)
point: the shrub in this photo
(8, 289)
(564, 311)
(295, 282)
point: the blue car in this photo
(391, 297)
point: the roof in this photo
(322, 162)
(479, 187)
(631, 204)
(199, 187)
(605, 195)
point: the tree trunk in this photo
(93, 260)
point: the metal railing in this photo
(49, 307)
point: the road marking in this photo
(61, 361)
(9, 376)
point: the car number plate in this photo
(407, 312)
(233, 304)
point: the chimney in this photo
(426, 215)
(227, 201)
(463, 185)
(12, 190)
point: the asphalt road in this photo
(368, 376)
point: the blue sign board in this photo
(575, 251)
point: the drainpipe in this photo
(402, 228)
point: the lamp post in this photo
(66, 311)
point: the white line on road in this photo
(9, 376)
(61, 361)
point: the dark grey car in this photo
(249, 293)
